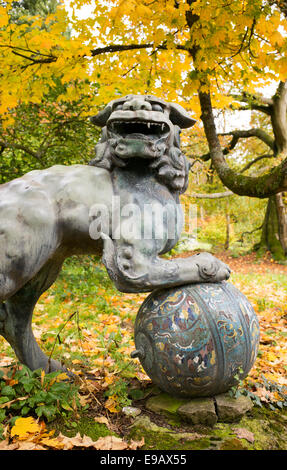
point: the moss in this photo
(269, 429)
(83, 425)
(232, 444)
(165, 403)
(168, 441)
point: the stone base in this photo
(206, 411)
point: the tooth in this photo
(162, 127)
(148, 125)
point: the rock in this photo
(199, 411)
(144, 423)
(165, 404)
(131, 411)
(231, 409)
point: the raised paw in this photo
(211, 269)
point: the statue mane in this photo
(142, 126)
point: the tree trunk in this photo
(274, 231)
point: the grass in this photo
(85, 322)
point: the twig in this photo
(58, 338)
(240, 240)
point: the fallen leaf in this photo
(54, 443)
(243, 433)
(62, 376)
(28, 445)
(24, 427)
(110, 443)
(133, 445)
(84, 400)
(77, 441)
(9, 403)
(4, 445)
(102, 420)
(112, 405)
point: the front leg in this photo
(135, 267)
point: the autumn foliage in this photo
(57, 69)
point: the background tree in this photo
(208, 47)
(53, 131)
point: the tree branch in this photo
(5, 145)
(257, 159)
(262, 186)
(212, 195)
(255, 102)
(256, 132)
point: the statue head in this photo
(147, 128)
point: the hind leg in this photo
(16, 318)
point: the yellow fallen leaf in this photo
(62, 376)
(111, 405)
(24, 427)
(54, 443)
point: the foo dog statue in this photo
(49, 215)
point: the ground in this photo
(86, 322)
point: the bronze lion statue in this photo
(123, 205)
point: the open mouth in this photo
(139, 129)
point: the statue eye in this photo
(157, 107)
(118, 106)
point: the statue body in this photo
(49, 215)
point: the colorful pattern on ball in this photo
(197, 338)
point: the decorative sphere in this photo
(193, 340)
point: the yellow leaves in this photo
(24, 427)
(112, 405)
(218, 32)
(159, 36)
(143, 11)
(277, 39)
(28, 434)
(4, 17)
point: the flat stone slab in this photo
(199, 411)
(165, 404)
(207, 411)
(231, 409)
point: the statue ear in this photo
(101, 118)
(179, 116)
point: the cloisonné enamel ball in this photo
(195, 340)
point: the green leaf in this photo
(28, 386)
(9, 391)
(2, 415)
(4, 400)
(48, 411)
(66, 406)
(25, 410)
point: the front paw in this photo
(211, 269)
